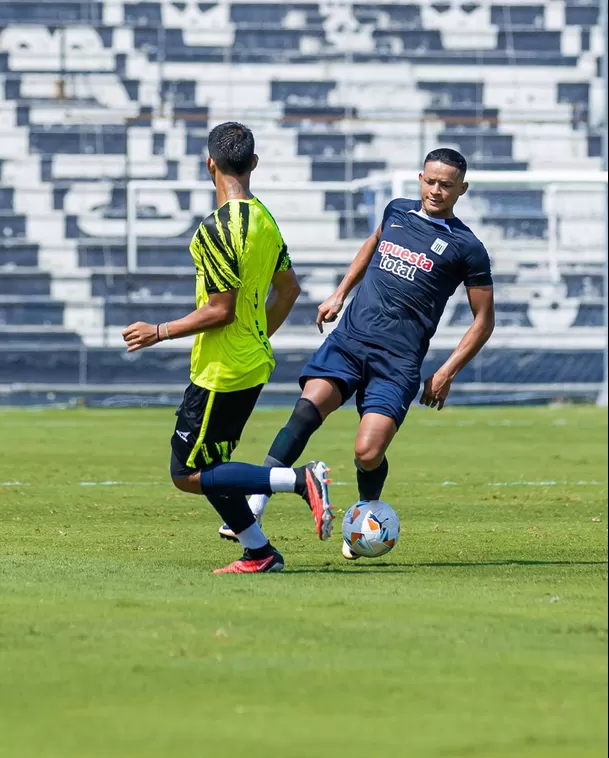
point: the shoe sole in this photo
(321, 508)
(228, 537)
(348, 554)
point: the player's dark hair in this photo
(231, 146)
(448, 157)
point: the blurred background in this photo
(105, 107)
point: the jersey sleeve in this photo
(284, 262)
(477, 266)
(217, 252)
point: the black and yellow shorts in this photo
(209, 427)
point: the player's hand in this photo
(139, 335)
(328, 311)
(435, 390)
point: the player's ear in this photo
(463, 189)
(254, 162)
(211, 167)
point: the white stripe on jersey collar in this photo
(439, 221)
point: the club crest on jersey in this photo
(402, 261)
(439, 246)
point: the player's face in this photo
(441, 187)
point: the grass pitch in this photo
(482, 635)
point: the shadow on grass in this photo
(397, 568)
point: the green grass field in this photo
(482, 635)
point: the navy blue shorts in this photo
(382, 383)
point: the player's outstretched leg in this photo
(320, 398)
(238, 479)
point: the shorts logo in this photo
(401, 261)
(439, 246)
(183, 435)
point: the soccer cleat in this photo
(226, 533)
(317, 497)
(348, 554)
(247, 564)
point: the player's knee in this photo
(368, 456)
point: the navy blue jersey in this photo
(418, 264)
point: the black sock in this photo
(370, 483)
(300, 487)
(260, 552)
(291, 441)
(233, 510)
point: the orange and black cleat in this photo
(247, 564)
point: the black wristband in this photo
(158, 333)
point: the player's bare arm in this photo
(284, 292)
(219, 311)
(332, 306)
(437, 386)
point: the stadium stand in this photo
(97, 93)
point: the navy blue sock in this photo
(290, 442)
(370, 483)
(236, 479)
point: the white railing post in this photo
(552, 211)
(131, 222)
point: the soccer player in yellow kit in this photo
(239, 255)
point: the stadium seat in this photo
(56, 13)
(19, 310)
(37, 365)
(142, 286)
(24, 282)
(161, 366)
(17, 254)
(33, 337)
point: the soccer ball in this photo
(371, 528)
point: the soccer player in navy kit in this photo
(407, 270)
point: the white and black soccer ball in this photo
(371, 528)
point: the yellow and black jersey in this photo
(239, 246)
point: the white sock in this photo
(282, 479)
(252, 537)
(257, 504)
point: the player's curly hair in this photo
(231, 146)
(448, 157)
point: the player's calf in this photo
(374, 435)
(371, 468)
